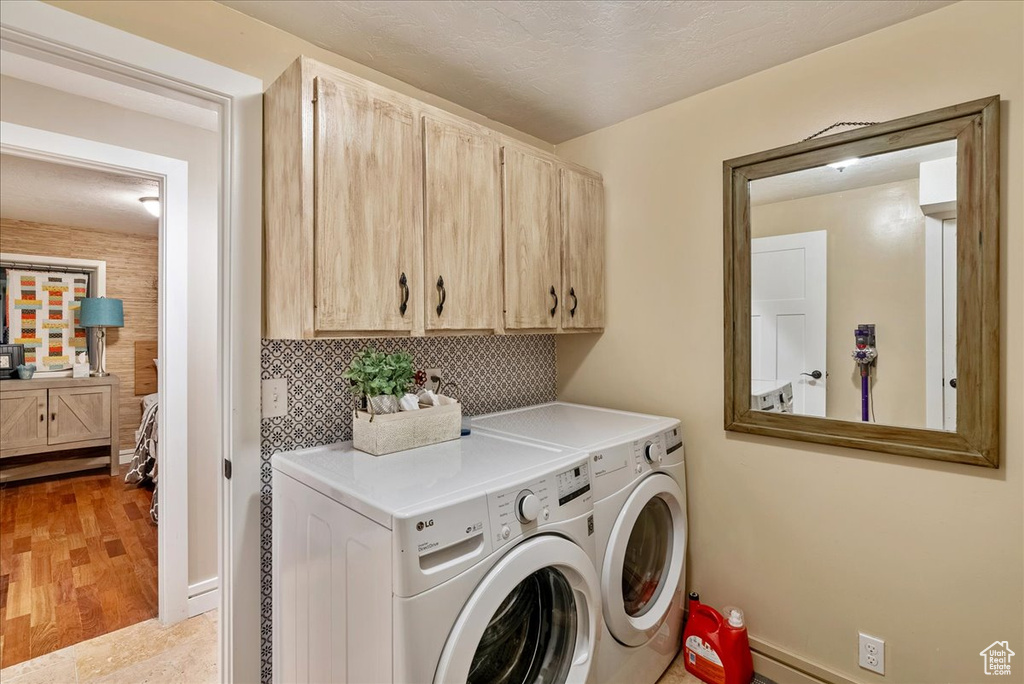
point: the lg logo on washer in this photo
(423, 524)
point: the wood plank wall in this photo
(132, 262)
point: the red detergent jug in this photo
(716, 649)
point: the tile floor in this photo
(147, 653)
(675, 674)
(144, 653)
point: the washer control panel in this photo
(522, 508)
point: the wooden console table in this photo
(49, 415)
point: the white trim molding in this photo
(203, 597)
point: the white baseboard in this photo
(126, 455)
(785, 667)
(203, 597)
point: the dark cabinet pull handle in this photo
(403, 282)
(53, 416)
(554, 307)
(575, 302)
(816, 374)
(952, 383)
(442, 295)
(42, 417)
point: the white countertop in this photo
(572, 426)
(401, 484)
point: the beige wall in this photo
(222, 35)
(32, 105)
(815, 543)
(875, 275)
(131, 276)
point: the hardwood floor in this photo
(78, 558)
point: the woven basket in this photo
(387, 433)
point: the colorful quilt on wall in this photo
(42, 314)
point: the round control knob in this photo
(545, 514)
(505, 532)
(527, 506)
(653, 452)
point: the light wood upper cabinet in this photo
(363, 185)
(582, 200)
(23, 418)
(79, 414)
(462, 227)
(366, 224)
(532, 244)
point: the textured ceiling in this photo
(44, 192)
(559, 69)
(876, 170)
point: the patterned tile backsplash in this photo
(492, 373)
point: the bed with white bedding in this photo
(143, 470)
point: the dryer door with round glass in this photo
(532, 619)
(643, 562)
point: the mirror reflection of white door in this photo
(788, 315)
(949, 324)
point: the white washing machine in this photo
(471, 561)
(640, 521)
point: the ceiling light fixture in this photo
(152, 205)
(840, 165)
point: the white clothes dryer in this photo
(640, 521)
(471, 561)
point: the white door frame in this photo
(939, 275)
(172, 459)
(88, 46)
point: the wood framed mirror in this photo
(862, 267)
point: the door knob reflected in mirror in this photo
(816, 374)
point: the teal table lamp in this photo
(101, 313)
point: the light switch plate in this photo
(275, 398)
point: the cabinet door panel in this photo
(368, 203)
(78, 414)
(462, 234)
(22, 418)
(532, 247)
(583, 250)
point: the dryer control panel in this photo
(618, 465)
(525, 507)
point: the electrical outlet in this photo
(430, 383)
(872, 653)
(275, 398)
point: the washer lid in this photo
(572, 425)
(402, 483)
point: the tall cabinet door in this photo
(462, 227)
(22, 418)
(368, 205)
(583, 247)
(531, 239)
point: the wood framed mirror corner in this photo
(862, 287)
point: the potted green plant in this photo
(380, 378)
